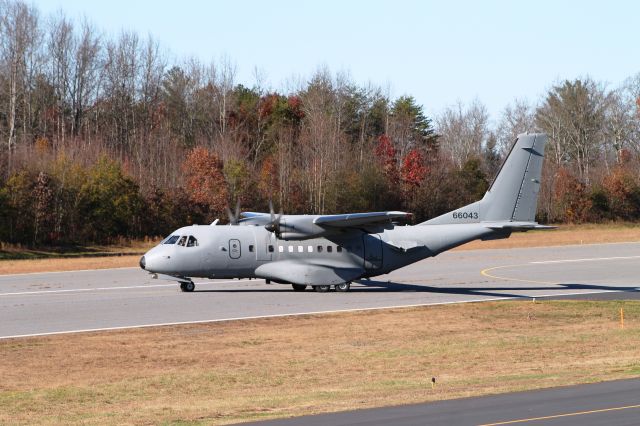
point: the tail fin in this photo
(513, 195)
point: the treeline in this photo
(107, 137)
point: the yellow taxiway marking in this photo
(577, 413)
(486, 273)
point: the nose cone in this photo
(143, 263)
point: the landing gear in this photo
(344, 287)
(298, 287)
(187, 287)
(321, 288)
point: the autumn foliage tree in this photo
(204, 181)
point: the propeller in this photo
(274, 224)
(234, 217)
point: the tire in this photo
(298, 287)
(343, 288)
(321, 288)
(187, 287)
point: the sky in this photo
(440, 52)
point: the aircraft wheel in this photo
(298, 287)
(187, 287)
(321, 288)
(344, 287)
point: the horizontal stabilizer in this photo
(517, 226)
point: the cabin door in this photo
(372, 251)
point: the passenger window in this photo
(183, 241)
(192, 242)
(339, 249)
(329, 249)
(319, 249)
(172, 239)
(281, 249)
(300, 249)
(310, 249)
(290, 249)
(251, 248)
(270, 248)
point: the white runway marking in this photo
(78, 290)
(297, 314)
(584, 260)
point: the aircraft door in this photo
(265, 243)
(234, 249)
(372, 251)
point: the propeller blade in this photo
(230, 216)
(237, 212)
(271, 212)
(234, 217)
(274, 224)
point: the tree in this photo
(109, 202)
(573, 115)
(463, 131)
(409, 128)
(19, 62)
(516, 118)
(204, 181)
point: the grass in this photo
(19, 252)
(245, 370)
(15, 260)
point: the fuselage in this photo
(253, 252)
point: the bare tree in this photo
(573, 115)
(19, 44)
(463, 131)
(86, 67)
(516, 118)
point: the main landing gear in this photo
(187, 287)
(342, 288)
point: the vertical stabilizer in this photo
(513, 195)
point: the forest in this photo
(104, 138)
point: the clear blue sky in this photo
(438, 51)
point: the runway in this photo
(612, 403)
(49, 303)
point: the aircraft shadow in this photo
(503, 291)
(372, 286)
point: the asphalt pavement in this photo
(615, 403)
(46, 303)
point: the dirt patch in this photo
(233, 371)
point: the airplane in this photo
(332, 251)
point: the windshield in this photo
(171, 240)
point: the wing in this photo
(352, 220)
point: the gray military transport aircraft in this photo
(324, 251)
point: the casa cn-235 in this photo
(331, 251)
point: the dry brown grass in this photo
(565, 235)
(48, 265)
(233, 371)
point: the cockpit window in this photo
(192, 242)
(182, 241)
(171, 240)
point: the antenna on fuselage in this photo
(215, 222)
